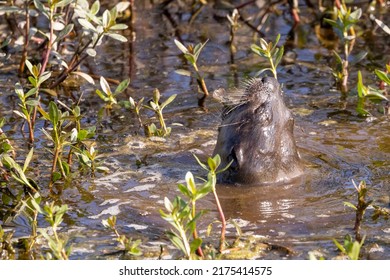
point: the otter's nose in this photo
(270, 82)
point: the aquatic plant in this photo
(182, 215)
(344, 27)
(107, 95)
(17, 172)
(89, 157)
(7, 251)
(64, 19)
(127, 244)
(271, 52)
(234, 25)
(372, 94)
(30, 100)
(350, 248)
(360, 207)
(191, 54)
(60, 139)
(54, 216)
(157, 107)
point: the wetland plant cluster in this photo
(53, 39)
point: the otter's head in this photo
(256, 134)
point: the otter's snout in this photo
(271, 83)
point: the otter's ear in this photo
(238, 157)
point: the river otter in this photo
(256, 134)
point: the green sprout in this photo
(191, 54)
(127, 244)
(107, 95)
(271, 52)
(344, 28)
(370, 93)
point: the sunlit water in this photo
(336, 145)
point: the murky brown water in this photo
(337, 146)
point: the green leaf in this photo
(168, 101)
(65, 32)
(95, 7)
(204, 166)
(212, 164)
(383, 26)
(29, 66)
(30, 92)
(43, 78)
(376, 96)
(263, 44)
(43, 113)
(40, 6)
(114, 15)
(122, 86)
(122, 6)
(86, 24)
(53, 113)
(350, 205)
(279, 55)
(383, 76)
(355, 251)
(28, 159)
(355, 15)
(195, 244)
(178, 243)
(183, 72)
(191, 186)
(117, 37)
(226, 167)
(338, 58)
(339, 246)
(190, 58)
(20, 114)
(184, 190)
(181, 47)
(361, 89)
(276, 43)
(106, 19)
(198, 48)
(56, 176)
(203, 191)
(32, 81)
(119, 26)
(257, 50)
(105, 86)
(168, 204)
(85, 76)
(63, 3)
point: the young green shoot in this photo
(271, 52)
(106, 93)
(127, 244)
(344, 28)
(191, 54)
(212, 169)
(369, 93)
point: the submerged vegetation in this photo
(50, 132)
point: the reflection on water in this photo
(336, 145)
